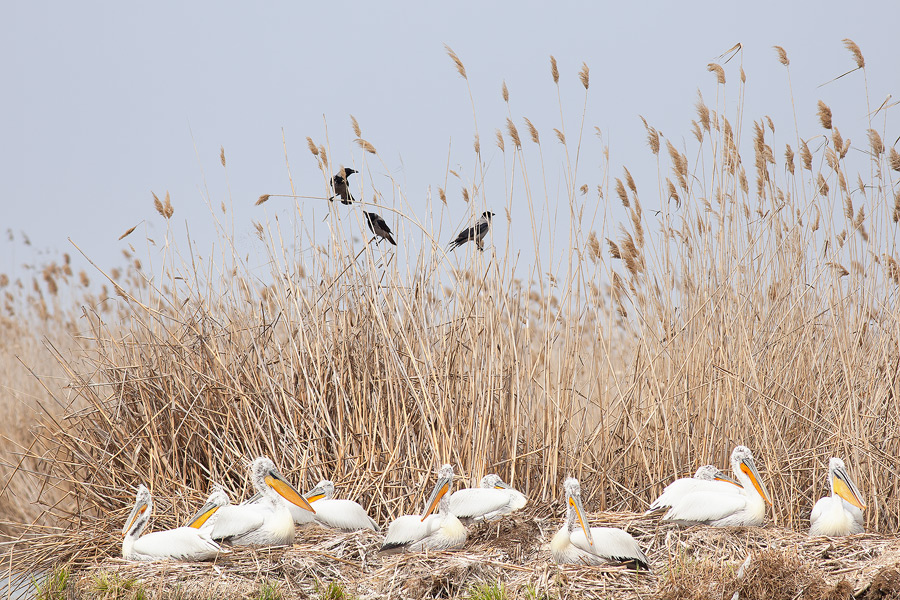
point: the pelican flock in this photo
(490, 501)
(841, 512)
(182, 543)
(442, 531)
(724, 507)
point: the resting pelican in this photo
(594, 545)
(707, 477)
(182, 543)
(725, 508)
(267, 522)
(335, 512)
(491, 501)
(841, 512)
(216, 500)
(442, 531)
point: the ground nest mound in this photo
(511, 559)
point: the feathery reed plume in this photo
(824, 115)
(585, 76)
(822, 187)
(477, 144)
(652, 137)
(355, 124)
(894, 159)
(782, 56)
(702, 111)
(839, 268)
(513, 133)
(158, 205)
(584, 189)
(848, 208)
(554, 71)
(838, 141)
(459, 65)
(596, 252)
(500, 143)
(560, 136)
(505, 92)
(84, 279)
(718, 70)
(168, 206)
(366, 146)
(895, 215)
(617, 290)
(323, 155)
(673, 193)
(697, 131)
(442, 195)
(629, 180)
(770, 123)
(127, 233)
(613, 249)
(860, 184)
(312, 146)
(262, 199)
(222, 155)
(533, 131)
(875, 142)
(856, 52)
(789, 158)
(623, 195)
(465, 194)
(805, 155)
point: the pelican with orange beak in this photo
(841, 512)
(724, 508)
(441, 531)
(268, 521)
(707, 477)
(585, 545)
(216, 500)
(182, 543)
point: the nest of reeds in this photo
(512, 556)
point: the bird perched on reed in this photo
(339, 183)
(379, 227)
(475, 232)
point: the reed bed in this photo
(756, 304)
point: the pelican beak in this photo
(720, 476)
(575, 502)
(844, 487)
(284, 489)
(749, 469)
(137, 511)
(440, 488)
(202, 516)
(500, 485)
(317, 493)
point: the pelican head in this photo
(140, 514)
(842, 484)
(742, 464)
(271, 484)
(441, 488)
(493, 481)
(712, 473)
(575, 509)
(216, 500)
(323, 489)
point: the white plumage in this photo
(216, 500)
(725, 508)
(490, 501)
(334, 512)
(442, 531)
(182, 543)
(595, 545)
(707, 477)
(266, 522)
(841, 512)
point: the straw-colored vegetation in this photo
(756, 303)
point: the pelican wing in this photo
(237, 519)
(612, 544)
(819, 509)
(481, 502)
(680, 488)
(408, 529)
(342, 514)
(704, 506)
(183, 543)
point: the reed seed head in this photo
(459, 65)
(554, 71)
(533, 131)
(894, 159)
(824, 115)
(513, 133)
(585, 76)
(505, 91)
(782, 55)
(127, 233)
(856, 52)
(500, 143)
(718, 70)
(312, 146)
(875, 142)
(222, 155)
(560, 136)
(365, 145)
(262, 199)
(355, 124)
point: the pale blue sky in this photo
(105, 101)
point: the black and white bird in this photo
(475, 232)
(339, 183)
(379, 227)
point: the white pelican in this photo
(490, 501)
(725, 508)
(707, 477)
(267, 522)
(182, 543)
(594, 545)
(442, 531)
(216, 500)
(335, 512)
(841, 512)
